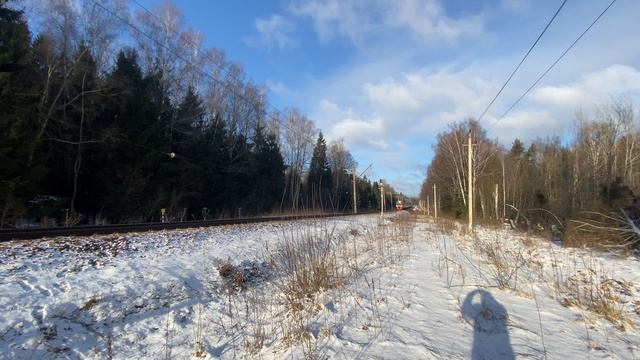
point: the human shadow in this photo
(489, 319)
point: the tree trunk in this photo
(78, 162)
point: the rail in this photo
(37, 233)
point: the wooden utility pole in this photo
(504, 193)
(435, 202)
(470, 181)
(381, 198)
(496, 200)
(355, 203)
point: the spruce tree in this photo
(319, 180)
(269, 171)
(22, 164)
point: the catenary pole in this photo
(470, 181)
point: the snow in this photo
(432, 292)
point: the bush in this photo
(605, 229)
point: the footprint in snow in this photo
(38, 314)
(43, 290)
(24, 285)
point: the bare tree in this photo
(60, 21)
(297, 144)
(340, 162)
(100, 30)
(452, 147)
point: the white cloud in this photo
(428, 19)
(398, 117)
(274, 30)
(527, 125)
(550, 110)
(394, 112)
(517, 6)
(278, 87)
(333, 18)
(423, 102)
(356, 19)
(560, 95)
(391, 94)
(393, 121)
(379, 103)
(593, 88)
(361, 133)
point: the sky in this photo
(386, 76)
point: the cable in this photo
(522, 61)
(168, 49)
(552, 65)
(202, 164)
(214, 79)
(194, 47)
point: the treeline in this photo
(569, 184)
(93, 131)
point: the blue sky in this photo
(387, 76)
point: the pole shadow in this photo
(489, 320)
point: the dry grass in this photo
(307, 261)
(198, 333)
(311, 262)
(599, 293)
(226, 269)
(256, 323)
(504, 263)
(238, 277)
(447, 226)
(315, 260)
(507, 262)
(604, 230)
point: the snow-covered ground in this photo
(402, 289)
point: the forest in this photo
(108, 115)
(583, 187)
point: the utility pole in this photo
(435, 202)
(504, 193)
(470, 181)
(496, 200)
(381, 198)
(428, 210)
(355, 203)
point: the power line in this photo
(552, 65)
(201, 72)
(522, 61)
(182, 58)
(170, 154)
(268, 106)
(168, 49)
(195, 47)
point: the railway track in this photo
(37, 233)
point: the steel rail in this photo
(88, 230)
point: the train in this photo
(400, 206)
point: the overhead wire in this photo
(522, 60)
(170, 153)
(168, 49)
(195, 47)
(562, 55)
